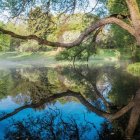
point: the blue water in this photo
(67, 109)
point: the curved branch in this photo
(84, 34)
(122, 111)
(81, 98)
(120, 16)
(57, 96)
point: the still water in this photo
(67, 102)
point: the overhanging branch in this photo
(82, 100)
(78, 41)
(54, 97)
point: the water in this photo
(62, 102)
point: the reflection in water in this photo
(51, 97)
(53, 125)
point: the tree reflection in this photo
(50, 126)
(82, 85)
(6, 83)
(53, 126)
(89, 106)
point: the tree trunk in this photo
(135, 18)
(134, 117)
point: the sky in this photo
(76, 109)
(4, 16)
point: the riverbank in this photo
(102, 54)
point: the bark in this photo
(134, 117)
(135, 17)
(83, 35)
(88, 105)
(122, 111)
(134, 11)
(81, 98)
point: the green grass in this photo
(115, 54)
(134, 69)
(27, 59)
(26, 56)
(49, 57)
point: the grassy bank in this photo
(25, 56)
(102, 54)
(47, 59)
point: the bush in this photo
(82, 52)
(30, 46)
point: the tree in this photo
(132, 26)
(4, 40)
(51, 125)
(40, 23)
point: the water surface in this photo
(64, 102)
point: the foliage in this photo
(50, 19)
(134, 69)
(82, 52)
(70, 25)
(4, 40)
(63, 82)
(6, 84)
(30, 46)
(8, 43)
(116, 37)
(124, 87)
(41, 23)
(120, 38)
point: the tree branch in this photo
(57, 96)
(81, 98)
(78, 41)
(120, 16)
(122, 111)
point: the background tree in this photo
(41, 23)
